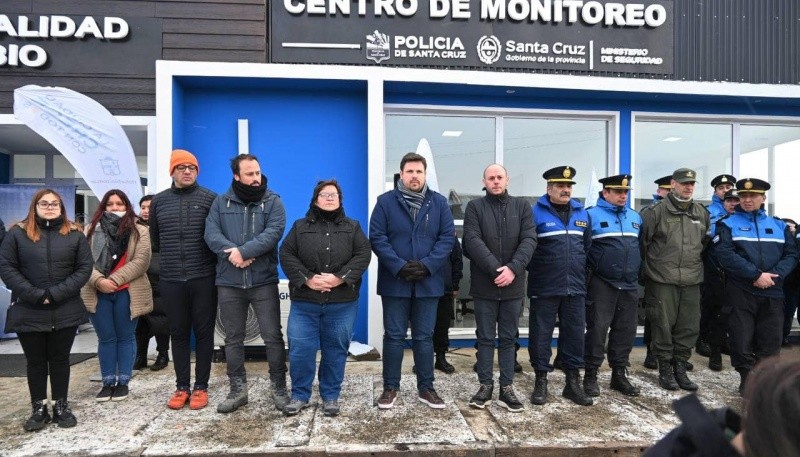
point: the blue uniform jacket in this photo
(747, 244)
(716, 210)
(558, 266)
(396, 239)
(614, 255)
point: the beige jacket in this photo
(134, 273)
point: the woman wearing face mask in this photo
(45, 261)
(118, 291)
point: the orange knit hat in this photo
(182, 156)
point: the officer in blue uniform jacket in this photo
(721, 184)
(757, 253)
(663, 188)
(613, 293)
(557, 284)
(712, 322)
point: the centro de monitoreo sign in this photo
(573, 35)
(79, 44)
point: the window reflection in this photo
(770, 152)
(662, 147)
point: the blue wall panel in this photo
(300, 137)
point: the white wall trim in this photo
(475, 78)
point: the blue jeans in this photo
(397, 312)
(312, 327)
(496, 318)
(116, 338)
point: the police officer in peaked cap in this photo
(712, 326)
(613, 292)
(557, 284)
(757, 253)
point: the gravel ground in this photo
(142, 425)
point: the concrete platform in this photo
(142, 425)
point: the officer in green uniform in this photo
(674, 231)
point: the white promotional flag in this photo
(594, 190)
(84, 132)
(424, 149)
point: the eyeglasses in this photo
(327, 195)
(45, 205)
(183, 168)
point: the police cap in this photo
(616, 182)
(723, 179)
(664, 182)
(684, 175)
(731, 194)
(754, 185)
(560, 174)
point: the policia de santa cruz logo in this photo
(489, 49)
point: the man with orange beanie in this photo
(177, 225)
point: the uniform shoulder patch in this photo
(581, 224)
(636, 225)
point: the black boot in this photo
(715, 360)
(140, 362)
(650, 360)
(742, 379)
(620, 383)
(680, 376)
(666, 378)
(62, 415)
(442, 364)
(39, 418)
(539, 395)
(574, 390)
(590, 382)
(702, 348)
(161, 361)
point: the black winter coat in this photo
(55, 267)
(702, 433)
(315, 245)
(157, 319)
(498, 232)
(177, 225)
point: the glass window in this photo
(770, 152)
(62, 169)
(662, 147)
(533, 146)
(461, 147)
(29, 166)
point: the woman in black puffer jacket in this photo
(324, 256)
(45, 260)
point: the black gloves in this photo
(414, 270)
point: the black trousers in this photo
(444, 313)
(191, 306)
(143, 335)
(48, 352)
(610, 308)
(713, 322)
(755, 325)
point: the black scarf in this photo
(48, 224)
(108, 245)
(329, 216)
(249, 194)
(562, 211)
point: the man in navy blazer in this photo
(412, 233)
